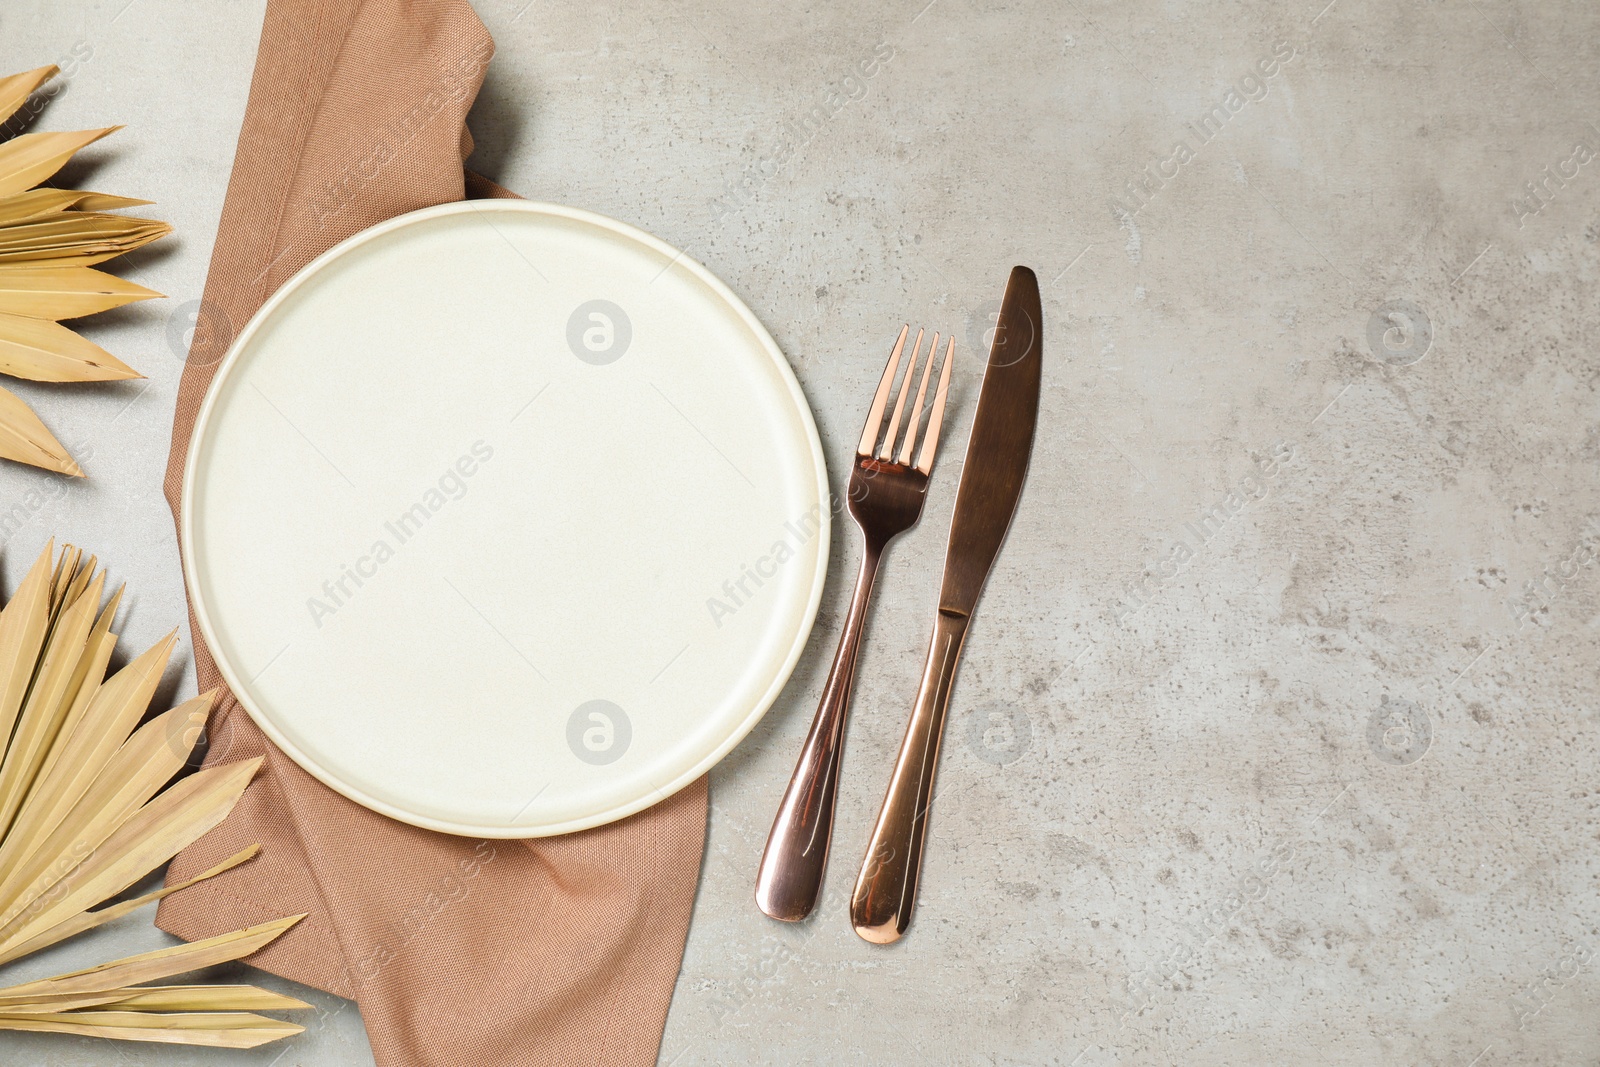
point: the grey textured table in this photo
(1276, 737)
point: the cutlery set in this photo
(888, 486)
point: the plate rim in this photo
(232, 360)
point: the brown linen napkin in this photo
(549, 951)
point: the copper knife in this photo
(998, 450)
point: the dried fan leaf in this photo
(83, 254)
(24, 438)
(102, 719)
(92, 744)
(93, 670)
(76, 791)
(77, 812)
(202, 998)
(86, 680)
(62, 262)
(74, 234)
(88, 920)
(112, 714)
(159, 964)
(206, 998)
(89, 805)
(79, 581)
(27, 160)
(88, 201)
(57, 293)
(45, 351)
(15, 89)
(50, 237)
(66, 570)
(44, 202)
(43, 711)
(225, 1030)
(152, 836)
(67, 229)
(22, 630)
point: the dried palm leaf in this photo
(100, 916)
(225, 1030)
(57, 293)
(14, 90)
(42, 203)
(190, 998)
(27, 160)
(49, 238)
(90, 804)
(24, 438)
(75, 234)
(45, 351)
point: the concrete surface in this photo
(1276, 736)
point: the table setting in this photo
(629, 537)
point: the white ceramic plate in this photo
(505, 519)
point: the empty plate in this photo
(505, 519)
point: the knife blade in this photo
(999, 446)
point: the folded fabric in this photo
(548, 951)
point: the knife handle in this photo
(789, 880)
(886, 890)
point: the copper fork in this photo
(886, 494)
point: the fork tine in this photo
(900, 400)
(936, 417)
(869, 433)
(916, 408)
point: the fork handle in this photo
(886, 890)
(790, 877)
